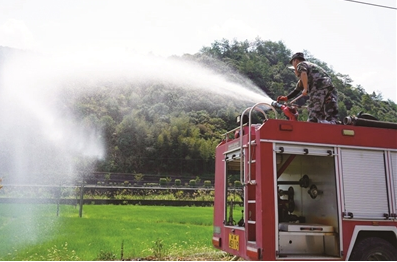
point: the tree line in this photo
(156, 127)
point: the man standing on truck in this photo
(315, 82)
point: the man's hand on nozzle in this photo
(282, 98)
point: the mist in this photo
(40, 137)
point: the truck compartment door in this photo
(364, 183)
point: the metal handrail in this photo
(242, 166)
(226, 135)
(242, 159)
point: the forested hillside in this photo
(265, 63)
(160, 128)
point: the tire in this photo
(374, 249)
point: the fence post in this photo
(59, 198)
(81, 199)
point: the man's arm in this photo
(304, 81)
(293, 93)
(296, 91)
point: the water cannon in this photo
(289, 110)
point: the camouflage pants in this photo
(323, 104)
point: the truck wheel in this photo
(374, 248)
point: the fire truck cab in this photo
(291, 190)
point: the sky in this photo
(354, 39)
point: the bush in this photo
(178, 182)
(138, 178)
(237, 183)
(207, 183)
(151, 184)
(163, 181)
(192, 183)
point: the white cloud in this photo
(351, 38)
(15, 33)
(232, 29)
(371, 82)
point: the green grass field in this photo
(105, 232)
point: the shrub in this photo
(237, 183)
(138, 178)
(163, 181)
(168, 179)
(207, 183)
(192, 183)
(179, 195)
(178, 182)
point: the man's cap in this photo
(297, 55)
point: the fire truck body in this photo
(309, 191)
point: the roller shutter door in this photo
(364, 183)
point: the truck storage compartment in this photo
(306, 239)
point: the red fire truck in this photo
(294, 190)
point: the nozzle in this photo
(276, 104)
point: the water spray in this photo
(40, 135)
(42, 140)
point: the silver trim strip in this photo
(325, 145)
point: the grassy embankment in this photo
(34, 232)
